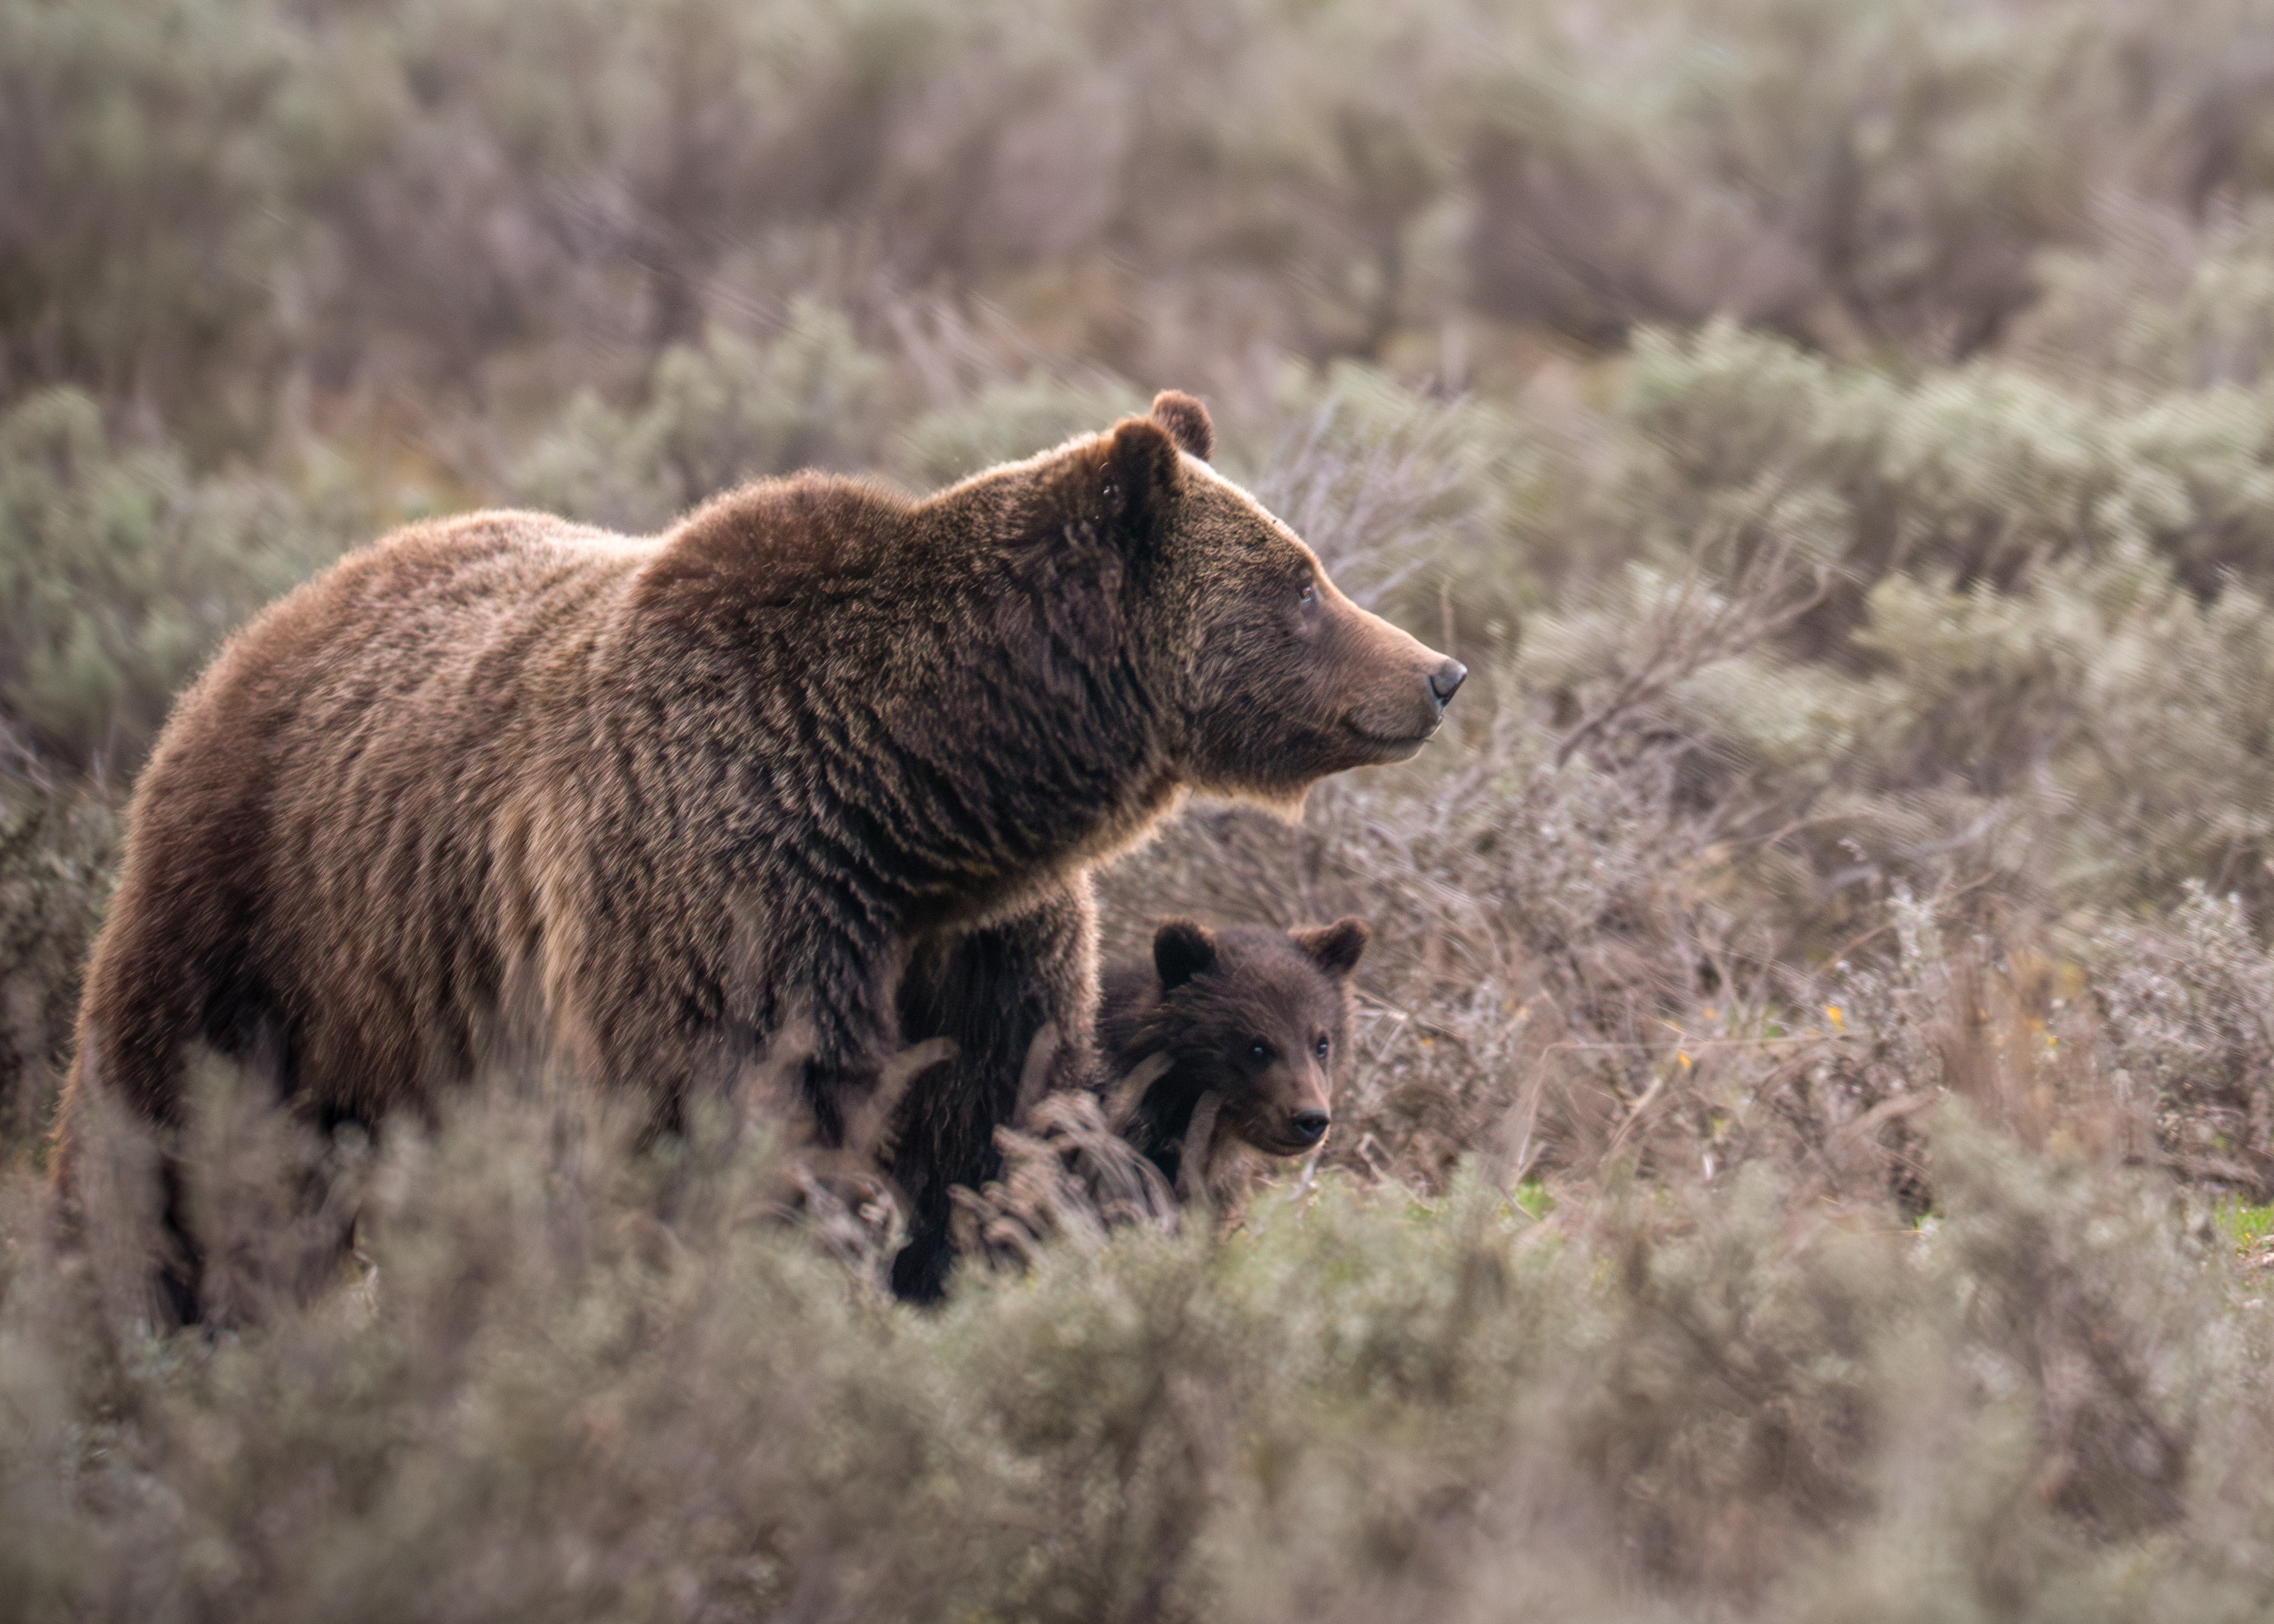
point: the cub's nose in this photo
(1445, 681)
(1309, 1124)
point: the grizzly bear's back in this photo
(507, 788)
(335, 808)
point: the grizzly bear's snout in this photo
(1438, 688)
(1397, 714)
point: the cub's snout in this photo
(1257, 1017)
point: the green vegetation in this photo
(120, 573)
(1809, 1148)
(2247, 1226)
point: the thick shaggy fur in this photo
(821, 758)
(1259, 1018)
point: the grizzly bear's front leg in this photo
(991, 990)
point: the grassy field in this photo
(1810, 1149)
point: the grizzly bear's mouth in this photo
(1384, 747)
(1271, 1142)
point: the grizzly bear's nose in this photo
(1446, 681)
(1309, 1124)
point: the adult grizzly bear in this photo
(1257, 1017)
(820, 751)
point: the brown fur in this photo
(507, 784)
(1241, 1014)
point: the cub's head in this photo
(1270, 678)
(1260, 1018)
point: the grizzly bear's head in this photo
(1258, 1017)
(1271, 678)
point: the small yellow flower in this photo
(1683, 1057)
(1831, 1012)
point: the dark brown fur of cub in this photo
(505, 785)
(1257, 1017)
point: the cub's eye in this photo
(1260, 1053)
(1309, 594)
(1319, 1047)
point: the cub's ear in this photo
(1142, 479)
(1335, 948)
(1182, 949)
(1186, 421)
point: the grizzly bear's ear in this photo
(1186, 421)
(1142, 478)
(1182, 949)
(1335, 948)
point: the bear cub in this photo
(1259, 1018)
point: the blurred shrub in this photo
(2188, 1009)
(564, 1404)
(715, 415)
(1883, 172)
(483, 200)
(57, 854)
(1004, 421)
(120, 573)
(1980, 474)
(143, 193)
(2154, 314)
(2099, 741)
(1437, 513)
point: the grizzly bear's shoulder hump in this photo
(787, 532)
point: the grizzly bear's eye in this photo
(1309, 594)
(1260, 1053)
(1319, 1047)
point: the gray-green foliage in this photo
(142, 158)
(1889, 611)
(2107, 708)
(1004, 421)
(120, 573)
(528, 1394)
(209, 198)
(2123, 326)
(1856, 729)
(1890, 174)
(1982, 472)
(2190, 1027)
(715, 415)
(1428, 510)
(57, 853)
